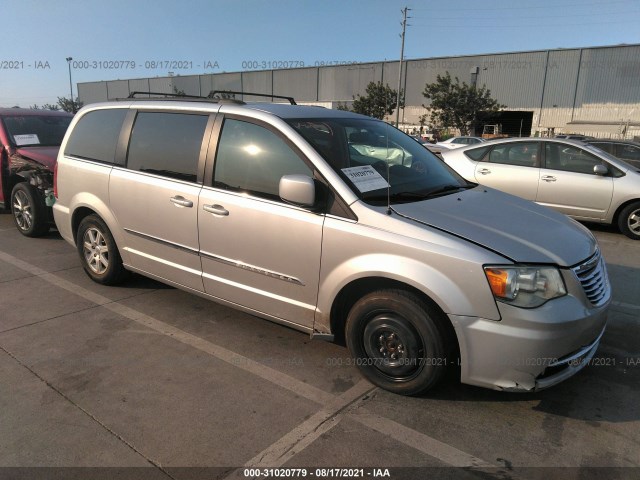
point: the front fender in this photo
(446, 269)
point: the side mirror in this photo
(298, 189)
(600, 169)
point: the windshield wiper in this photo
(446, 189)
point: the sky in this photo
(122, 39)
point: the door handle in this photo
(181, 201)
(548, 178)
(216, 210)
(484, 171)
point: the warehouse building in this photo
(594, 91)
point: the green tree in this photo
(379, 101)
(459, 105)
(422, 120)
(46, 106)
(70, 105)
(222, 95)
(343, 106)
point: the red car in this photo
(30, 140)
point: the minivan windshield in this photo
(37, 130)
(378, 161)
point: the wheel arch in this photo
(622, 206)
(356, 289)
(94, 206)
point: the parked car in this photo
(573, 136)
(454, 142)
(420, 140)
(268, 208)
(30, 140)
(623, 149)
(569, 176)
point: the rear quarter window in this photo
(476, 154)
(95, 136)
(167, 144)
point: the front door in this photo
(256, 250)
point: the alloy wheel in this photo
(96, 252)
(22, 210)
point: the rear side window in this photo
(607, 147)
(95, 136)
(252, 159)
(167, 144)
(627, 152)
(476, 154)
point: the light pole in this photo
(73, 104)
(404, 28)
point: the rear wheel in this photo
(98, 252)
(29, 211)
(397, 341)
(629, 221)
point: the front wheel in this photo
(397, 341)
(629, 221)
(29, 210)
(98, 252)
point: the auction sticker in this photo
(365, 178)
(26, 139)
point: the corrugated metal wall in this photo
(558, 86)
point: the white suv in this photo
(338, 225)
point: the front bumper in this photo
(529, 350)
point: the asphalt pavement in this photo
(147, 381)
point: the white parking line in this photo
(308, 431)
(414, 439)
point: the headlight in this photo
(527, 287)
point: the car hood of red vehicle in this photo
(44, 155)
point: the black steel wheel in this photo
(397, 340)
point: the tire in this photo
(629, 221)
(29, 210)
(397, 341)
(98, 252)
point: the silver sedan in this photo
(569, 176)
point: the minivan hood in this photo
(44, 155)
(515, 228)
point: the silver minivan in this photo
(338, 225)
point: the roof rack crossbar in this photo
(178, 95)
(291, 100)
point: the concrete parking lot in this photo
(149, 380)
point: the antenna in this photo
(387, 128)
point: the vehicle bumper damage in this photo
(525, 351)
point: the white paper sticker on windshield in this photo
(365, 178)
(26, 139)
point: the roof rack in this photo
(182, 96)
(268, 95)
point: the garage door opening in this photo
(512, 123)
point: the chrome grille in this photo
(594, 280)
